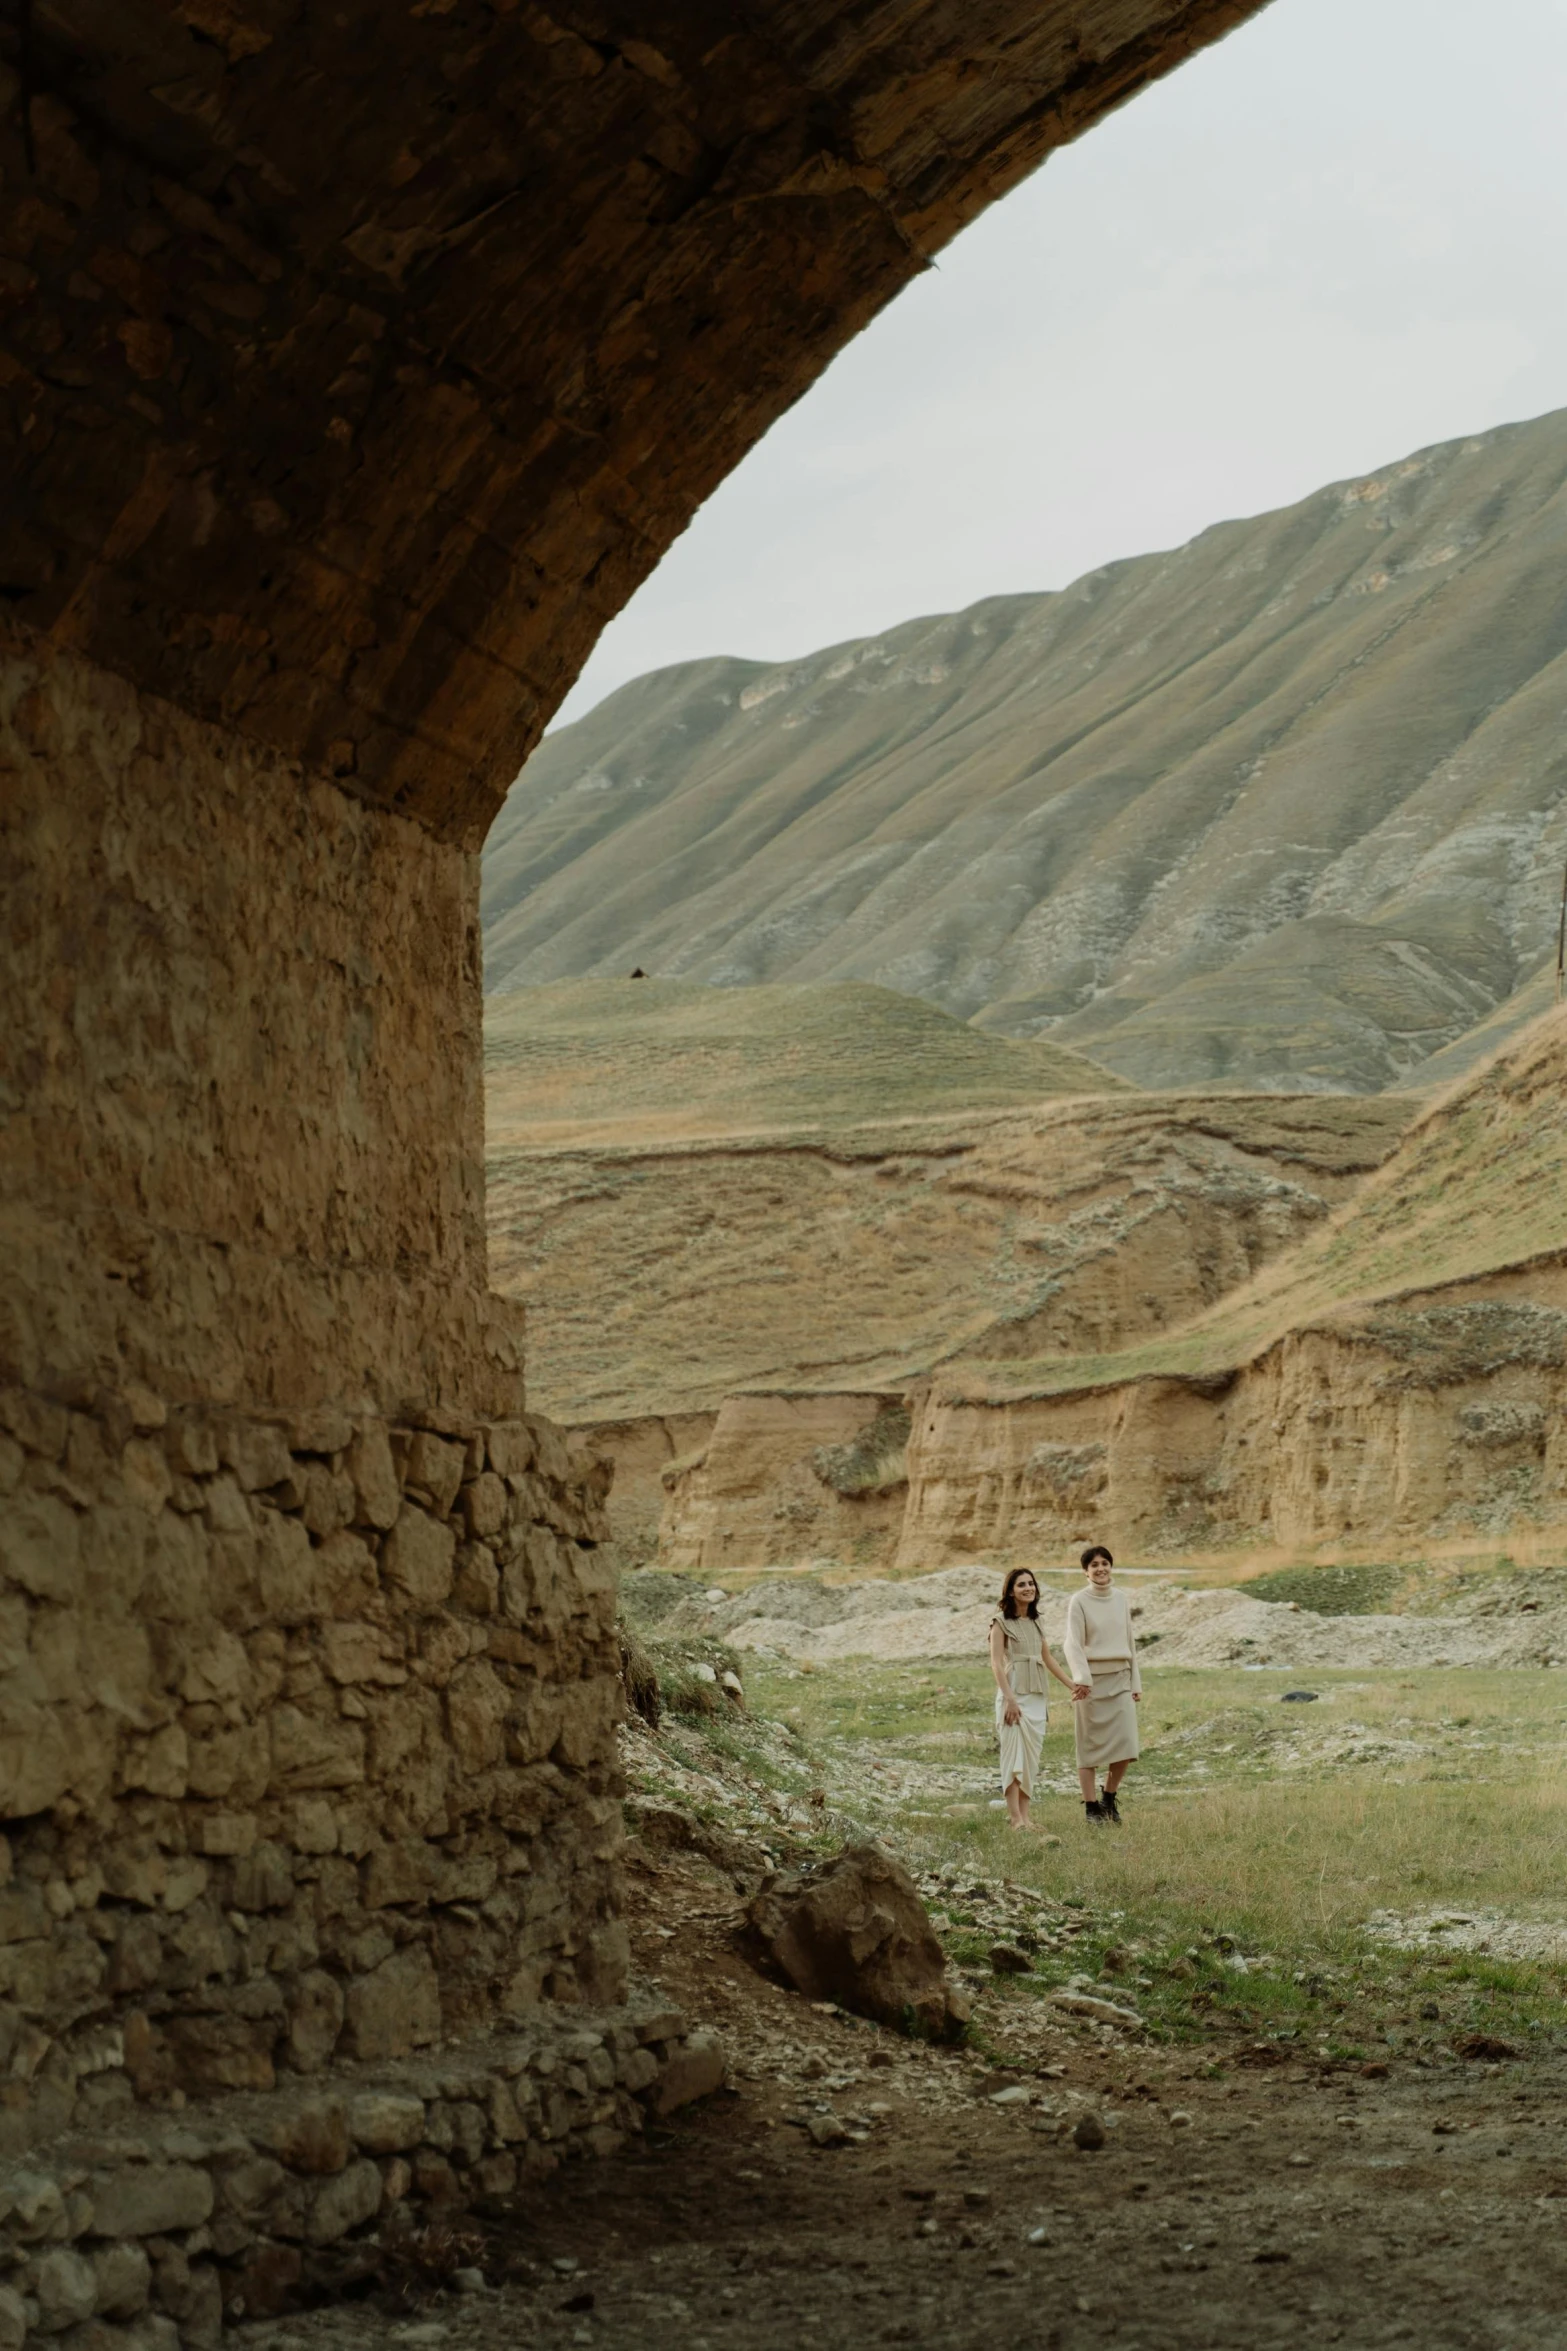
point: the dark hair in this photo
(1097, 1551)
(1007, 1608)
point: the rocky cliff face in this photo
(1395, 1375)
(1285, 807)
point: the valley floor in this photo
(1338, 2117)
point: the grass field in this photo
(607, 1060)
(1262, 1841)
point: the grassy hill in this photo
(1473, 1199)
(651, 1059)
(1286, 807)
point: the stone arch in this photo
(355, 365)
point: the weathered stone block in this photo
(344, 2203)
(377, 1491)
(309, 1752)
(395, 2008)
(192, 1447)
(418, 1557)
(224, 1834)
(262, 1879)
(382, 2122)
(150, 2199)
(65, 2288)
(216, 1668)
(215, 2053)
(437, 1466)
(177, 1582)
(250, 2187)
(322, 1431)
(145, 1476)
(312, 2136)
(485, 1505)
(476, 1587)
(695, 2069)
(122, 2277)
(510, 1447)
(477, 1705)
(257, 1453)
(315, 2020)
(41, 1546)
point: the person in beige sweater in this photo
(1101, 1656)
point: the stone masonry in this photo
(326, 1767)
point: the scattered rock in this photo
(1088, 2132)
(1103, 2011)
(855, 1931)
(826, 2130)
(1007, 1959)
(1180, 2120)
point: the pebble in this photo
(1088, 2132)
(1180, 2120)
(469, 2281)
(925, 2228)
(1039, 2236)
(977, 2199)
(1017, 2095)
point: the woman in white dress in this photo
(1106, 1685)
(1020, 1660)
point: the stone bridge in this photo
(356, 363)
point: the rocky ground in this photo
(848, 2186)
(1521, 1622)
(1074, 2173)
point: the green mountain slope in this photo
(1285, 807)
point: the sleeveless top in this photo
(1025, 1655)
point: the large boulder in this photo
(854, 1930)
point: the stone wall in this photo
(158, 2234)
(242, 1151)
(306, 1746)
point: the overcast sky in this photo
(1339, 235)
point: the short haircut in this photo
(1098, 1551)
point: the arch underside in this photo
(360, 362)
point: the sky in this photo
(1335, 237)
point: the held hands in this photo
(1081, 1690)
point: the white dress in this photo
(1021, 1741)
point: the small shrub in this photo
(874, 1462)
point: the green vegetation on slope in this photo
(652, 1057)
(1284, 807)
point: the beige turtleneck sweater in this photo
(1099, 1632)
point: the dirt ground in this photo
(1233, 2203)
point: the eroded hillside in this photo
(660, 1274)
(1286, 807)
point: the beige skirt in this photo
(1021, 1741)
(1105, 1725)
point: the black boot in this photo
(1109, 1807)
(1094, 1814)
